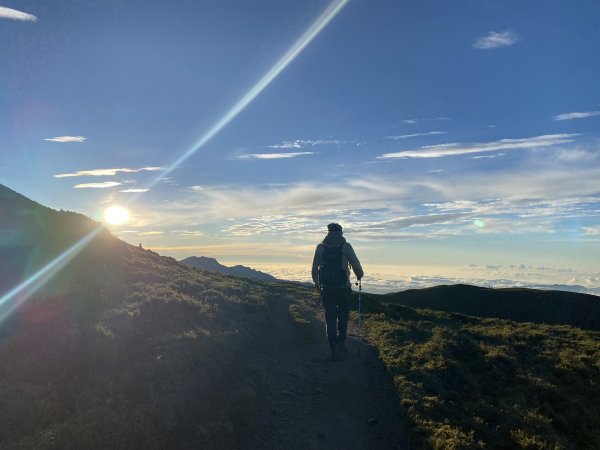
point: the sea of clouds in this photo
(495, 276)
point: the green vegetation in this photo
(137, 352)
(518, 304)
(127, 349)
(302, 324)
(488, 383)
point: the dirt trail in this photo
(313, 403)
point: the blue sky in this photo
(455, 141)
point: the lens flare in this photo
(12, 299)
(307, 37)
(23, 291)
(478, 223)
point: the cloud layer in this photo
(135, 190)
(13, 14)
(274, 155)
(104, 185)
(496, 39)
(303, 143)
(67, 139)
(453, 149)
(406, 136)
(104, 172)
(382, 279)
(577, 115)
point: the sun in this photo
(116, 215)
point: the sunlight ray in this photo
(27, 288)
(306, 38)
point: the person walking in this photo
(331, 274)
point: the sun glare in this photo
(116, 215)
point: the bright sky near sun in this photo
(454, 141)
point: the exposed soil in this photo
(313, 403)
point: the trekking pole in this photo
(319, 301)
(359, 283)
(319, 288)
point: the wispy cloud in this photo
(577, 115)
(496, 39)
(134, 190)
(303, 143)
(104, 185)
(105, 172)
(67, 139)
(274, 155)
(411, 221)
(13, 14)
(497, 155)
(188, 233)
(453, 149)
(577, 155)
(415, 121)
(406, 136)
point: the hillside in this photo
(127, 349)
(212, 265)
(123, 348)
(32, 234)
(472, 383)
(518, 304)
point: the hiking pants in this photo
(337, 308)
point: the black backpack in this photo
(331, 274)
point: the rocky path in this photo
(313, 403)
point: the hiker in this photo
(330, 273)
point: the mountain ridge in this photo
(518, 304)
(212, 265)
(125, 348)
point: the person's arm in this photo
(316, 264)
(354, 262)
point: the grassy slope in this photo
(519, 304)
(126, 349)
(488, 383)
(131, 350)
(123, 348)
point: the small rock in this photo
(372, 421)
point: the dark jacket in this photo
(349, 258)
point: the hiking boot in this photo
(334, 352)
(342, 345)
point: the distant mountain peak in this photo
(212, 265)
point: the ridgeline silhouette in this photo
(212, 265)
(518, 304)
